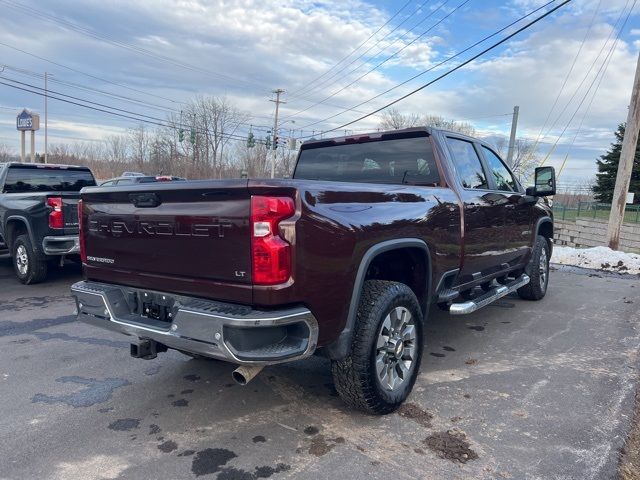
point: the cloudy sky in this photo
(571, 73)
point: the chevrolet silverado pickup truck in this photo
(38, 215)
(342, 260)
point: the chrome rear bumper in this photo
(230, 332)
(63, 245)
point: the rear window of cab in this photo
(393, 161)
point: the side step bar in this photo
(492, 295)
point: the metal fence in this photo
(594, 210)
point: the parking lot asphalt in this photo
(535, 390)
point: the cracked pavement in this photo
(534, 390)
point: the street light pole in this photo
(46, 119)
(277, 101)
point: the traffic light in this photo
(181, 135)
(193, 136)
(251, 140)
(275, 142)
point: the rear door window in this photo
(501, 175)
(42, 179)
(467, 164)
(393, 161)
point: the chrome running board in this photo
(485, 299)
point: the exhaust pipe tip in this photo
(245, 373)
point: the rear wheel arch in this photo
(403, 250)
(15, 227)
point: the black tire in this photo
(538, 271)
(356, 377)
(30, 268)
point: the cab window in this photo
(467, 164)
(501, 175)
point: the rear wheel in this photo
(383, 363)
(28, 266)
(539, 271)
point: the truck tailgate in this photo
(195, 230)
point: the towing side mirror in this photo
(545, 182)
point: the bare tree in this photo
(393, 119)
(525, 156)
(6, 153)
(139, 141)
(441, 122)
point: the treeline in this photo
(207, 140)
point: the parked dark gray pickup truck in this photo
(343, 260)
(39, 216)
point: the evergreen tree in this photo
(608, 169)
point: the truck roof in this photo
(315, 142)
(44, 165)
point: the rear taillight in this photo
(56, 217)
(271, 254)
(83, 251)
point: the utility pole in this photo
(512, 138)
(625, 167)
(277, 101)
(46, 130)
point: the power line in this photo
(603, 69)
(386, 59)
(141, 120)
(324, 82)
(38, 75)
(493, 46)
(126, 45)
(95, 77)
(353, 51)
(566, 78)
(585, 78)
(258, 127)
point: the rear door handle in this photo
(145, 200)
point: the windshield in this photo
(30, 179)
(404, 160)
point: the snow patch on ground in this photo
(601, 258)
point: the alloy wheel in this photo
(396, 348)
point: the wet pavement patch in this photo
(8, 328)
(477, 328)
(192, 377)
(415, 413)
(154, 429)
(259, 439)
(30, 302)
(96, 391)
(451, 446)
(187, 391)
(180, 403)
(152, 370)
(124, 424)
(168, 446)
(210, 460)
(439, 355)
(44, 336)
(186, 453)
(449, 349)
(266, 471)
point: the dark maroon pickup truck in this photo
(343, 260)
